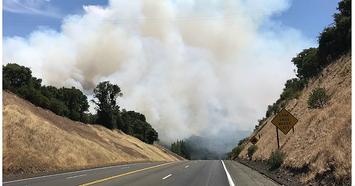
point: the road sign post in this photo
(277, 137)
(284, 121)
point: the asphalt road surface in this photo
(183, 173)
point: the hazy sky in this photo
(196, 67)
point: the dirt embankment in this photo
(320, 147)
(36, 140)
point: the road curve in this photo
(185, 173)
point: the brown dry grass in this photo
(36, 140)
(322, 137)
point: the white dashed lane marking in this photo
(167, 176)
(71, 177)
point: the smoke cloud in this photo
(192, 67)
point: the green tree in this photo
(50, 92)
(105, 95)
(34, 96)
(135, 124)
(292, 89)
(75, 101)
(15, 76)
(181, 148)
(307, 63)
(125, 122)
(336, 39)
(152, 135)
(58, 107)
(89, 118)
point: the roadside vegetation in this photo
(333, 42)
(318, 98)
(276, 159)
(238, 149)
(251, 150)
(73, 103)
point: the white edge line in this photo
(86, 170)
(187, 166)
(167, 176)
(230, 180)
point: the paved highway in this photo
(185, 173)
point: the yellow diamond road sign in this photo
(284, 121)
(254, 140)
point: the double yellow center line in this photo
(124, 174)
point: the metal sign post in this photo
(277, 137)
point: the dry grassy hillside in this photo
(37, 140)
(322, 138)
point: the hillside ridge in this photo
(320, 142)
(36, 140)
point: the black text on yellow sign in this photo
(284, 121)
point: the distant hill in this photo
(321, 142)
(37, 140)
(213, 147)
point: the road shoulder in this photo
(244, 175)
(280, 176)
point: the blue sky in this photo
(308, 16)
(18, 21)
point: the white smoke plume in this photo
(192, 67)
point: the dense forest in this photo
(334, 41)
(180, 147)
(73, 104)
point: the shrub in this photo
(237, 150)
(318, 98)
(276, 159)
(251, 150)
(242, 141)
